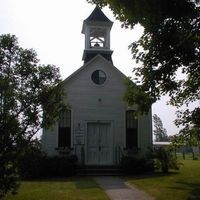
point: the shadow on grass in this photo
(42, 180)
(86, 183)
(150, 175)
(80, 183)
(194, 189)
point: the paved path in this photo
(117, 189)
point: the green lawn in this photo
(66, 189)
(181, 185)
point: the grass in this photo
(66, 189)
(183, 184)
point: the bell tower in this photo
(97, 29)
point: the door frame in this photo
(111, 142)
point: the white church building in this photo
(98, 126)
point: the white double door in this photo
(99, 144)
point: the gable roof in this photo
(86, 64)
(97, 15)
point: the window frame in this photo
(131, 130)
(98, 80)
(64, 129)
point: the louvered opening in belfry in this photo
(97, 37)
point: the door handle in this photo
(99, 148)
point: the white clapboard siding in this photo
(98, 103)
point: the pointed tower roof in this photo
(97, 15)
(97, 29)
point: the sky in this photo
(53, 29)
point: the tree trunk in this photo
(193, 157)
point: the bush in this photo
(31, 160)
(41, 166)
(136, 163)
(32, 163)
(164, 159)
(60, 166)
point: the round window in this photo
(98, 77)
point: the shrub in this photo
(41, 166)
(31, 160)
(164, 159)
(32, 163)
(137, 163)
(60, 166)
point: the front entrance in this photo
(99, 144)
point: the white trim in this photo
(72, 128)
(161, 143)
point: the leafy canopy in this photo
(27, 91)
(170, 45)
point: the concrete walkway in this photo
(117, 189)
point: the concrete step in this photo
(100, 172)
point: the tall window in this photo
(131, 130)
(64, 129)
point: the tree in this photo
(160, 132)
(27, 91)
(169, 45)
(189, 135)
